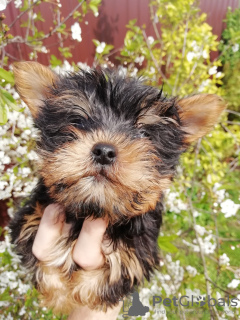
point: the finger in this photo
(87, 252)
(49, 231)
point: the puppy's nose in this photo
(104, 153)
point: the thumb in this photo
(87, 252)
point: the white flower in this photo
(150, 40)
(18, 3)
(22, 150)
(32, 155)
(212, 70)
(194, 293)
(145, 294)
(219, 74)
(6, 160)
(101, 47)
(190, 56)
(34, 16)
(238, 302)
(235, 48)
(152, 70)
(139, 60)
(195, 47)
(196, 214)
(233, 284)
(3, 184)
(203, 85)
(4, 304)
(22, 311)
(229, 208)
(66, 67)
(3, 4)
(44, 49)
(23, 288)
(83, 66)
(219, 193)
(208, 246)
(31, 55)
(200, 230)
(24, 171)
(174, 203)
(134, 72)
(76, 32)
(191, 270)
(224, 260)
(96, 14)
(205, 54)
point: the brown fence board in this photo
(109, 26)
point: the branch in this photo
(154, 60)
(19, 39)
(208, 288)
(60, 24)
(22, 13)
(234, 293)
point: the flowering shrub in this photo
(34, 39)
(199, 240)
(230, 43)
(230, 57)
(178, 54)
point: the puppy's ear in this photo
(199, 114)
(33, 82)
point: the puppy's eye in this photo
(80, 124)
(144, 134)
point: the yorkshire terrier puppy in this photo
(108, 147)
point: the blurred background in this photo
(185, 46)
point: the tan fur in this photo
(82, 287)
(89, 286)
(33, 82)
(133, 174)
(31, 225)
(64, 286)
(199, 114)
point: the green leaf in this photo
(3, 112)
(9, 100)
(167, 238)
(76, 14)
(93, 8)
(15, 170)
(93, 5)
(165, 244)
(168, 247)
(8, 96)
(7, 76)
(5, 296)
(55, 61)
(96, 42)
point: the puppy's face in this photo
(108, 144)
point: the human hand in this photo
(87, 251)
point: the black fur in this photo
(116, 103)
